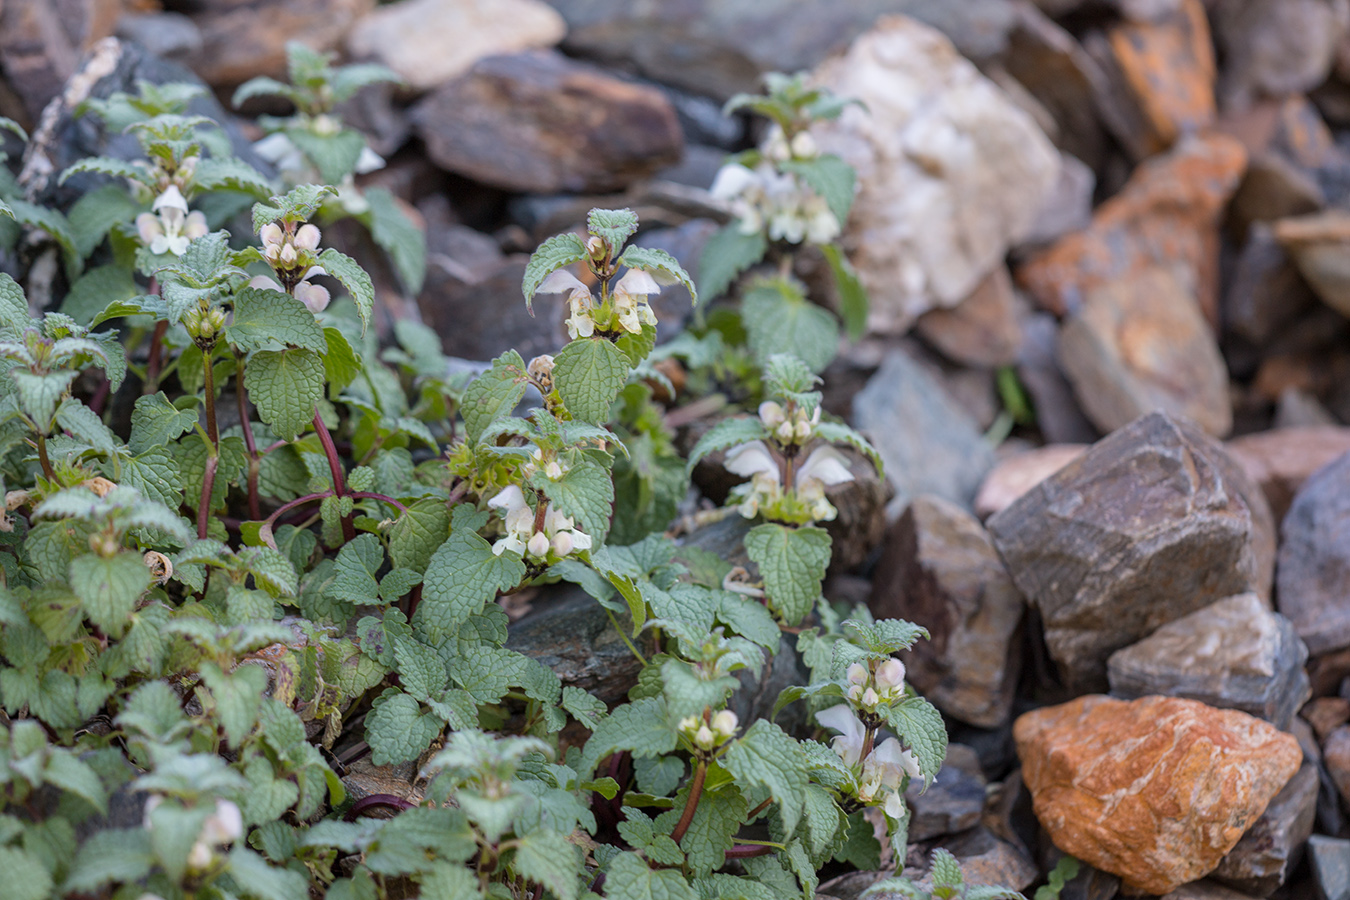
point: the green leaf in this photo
(285, 386)
(836, 433)
(749, 619)
(554, 253)
(642, 727)
(792, 562)
(615, 226)
(232, 174)
(651, 259)
(417, 533)
(830, 177)
(156, 422)
(297, 206)
(688, 694)
(885, 636)
(341, 364)
(785, 374)
(106, 165)
(727, 254)
(55, 224)
(712, 831)
(853, 302)
(257, 879)
(354, 573)
(96, 212)
(265, 318)
(109, 588)
(584, 707)
(419, 667)
(70, 773)
(236, 697)
(261, 86)
(548, 858)
(39, 394)
(725, 434)
(405, 243)
(946, 870)
(25, 877)
(334, 155)
(442, 881)
(94, 292)
(115, 855)
(629, 878)
(586, 493)
(918, 724)
(589, 373)
(493, 394)
(779, 318)
(84, 424)
(766, 756)
(347, 80)
(354, 279)
(13, 304)
(463, 576)
(397, 730)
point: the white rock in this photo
(429, 42)
(951, 172)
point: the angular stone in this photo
(1329, 859)
(1277, 47)
(1205, 890)
(986, 860)
(982, 330)
(363, 778)
(1141, 344)
(1320, 245)
(1299, 409)
(431, 41)
(1271, 848)
(41, 42)
(939, 569)
(1282, 459)
(953, 801)
(468, 310)
(928, 443)
(1155, 790)
(1266, 292)
(1067, 209)
(168, 35)
(1326, 714)
(1336, 758)
(244, 38)
(1159, 81)
(1014, 475)
(951, 172)
(540, 122)
(1153, 522)
(1058, 416)
(1233, 654)
(1166, 214)
(1314, 569)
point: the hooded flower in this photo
(314, 296)
(754, 460)
(823, 468)
(559, 537)
(630, 300)
(169, 227)
(580, 303)
(884, 769)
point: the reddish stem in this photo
(335, 466)
(745, 851)
(750, 817)
(208, 486)
(383, 498)
(378, 801)
(691, 804)
(254, 466)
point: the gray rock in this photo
(1204, 889)
(1277, 47)
(953, 801)
(1329, 859)
(1233, 654)
(928, 443)
(1058, 415)
(940, 570)
(1314, 566)
(1068, 207)
(1281, 460)
(42, 41)
(684, 242)
(1266, 855)
(538, 121)
(1153, 522)
(466, 308)
(1265, 292)
(987, 860)
(168, 35)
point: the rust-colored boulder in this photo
(1155, 790)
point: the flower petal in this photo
(751, 459)
(560, 281)
(826, 465)
(637, 282)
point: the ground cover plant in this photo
(296, 538)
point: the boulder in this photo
(1014, 475)
(1282, 459)
(1265, 293)
(479, 313)
(939, 569)
(1277, 47)
(244, 38)
(952, 802)
(1320, 245)
(951, 172)
(1058, 416)
(1233, 654)
(42, 42)
(1153, 522)
(1273, 846)
(1155, 790)
(1329, 859)
(1314, 565)
(538, 121)
(982, 330)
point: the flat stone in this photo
(1329, 859)
(1277, 47)
(1167, 214)
(1314, 566)
(953, 801)
(939, 569)
(928, 443)
(1142, 344)
(364, 779)
(244, 38)
(1058, 416)
(987, 860)
(466, 308)
(1155, 790)
(1159, 83)
(1153, 522)
(1013, 476)
(1299, 409)
(1282, 459)
(982, 330)
(1265, 293)
(538, 121)
(428, 42)
(42, 41)
(951, 172)
(1233, 654)
(1273, 846)
(1320, 246)
(1325, 714)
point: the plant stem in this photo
(287, 507)
(745, 851)
(868, 739)
(254, 461)
(615, 622)
(209, 380)
(208, 487)
(750, 817)
(691, 804)
(383, 498)
(378, 801)
(44, 459)
(335, 466)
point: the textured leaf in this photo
(236, 696)
(96, 212)
(585, 708)
(493, 394)
(792, 562)
(420, 669)
(341, 363)
(548, 858)
(589, 373)
(417, 534)
(354, 573)
(72, 774)
(85, 425)
(614, 225)
(651, 259)
(725, 434)
(405, 243)
(630, 879)
(778, 318)
(727, 254)
(297, 206)
(642, 727)
(156, 422)
(749, 618)
(265, 318)
(830, 177)
(853, 302)
(105, 165)
(261, 86)
(918, 724)
(554, 253)
(39, 394)
(586, 493)
(712, 831)
(257, 879)
(25, 877)
(354, 279)
(885, 636)
(110, 856)
(461, 578)
(397, 730)
(13, 304)
(767, 757)
(838, 433)
(109, 588)
(230, 173)
(334, 155)
(55, 224)
(285, 386)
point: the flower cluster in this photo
(556, 539)
(711, 734)
(868, 690)
(290, 255)
(792, 426)
(169, 227)
(803, 500)
(222, 827)
(765, 197)
(630, 308)
(879, 778)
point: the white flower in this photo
(580, 303)
(368, 161)
(630, 300)
(852, 732)
(279, 150)
(307, 237)
(172, 198)
(820, 224)
(885, 770)
(771, 414)
(823, 468)
(272, 236)
(559, 536)
(725, 723)
(765, 487)
(857, 674)
(518, 518)
(731, 181)
(169, 228)
(891, 678)
(704, 739)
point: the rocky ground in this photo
(1140, 601)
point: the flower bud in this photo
(307, 237)
(855, 692)
(287, 256)
(857, 674)
(596, 247)
(771, 414)
(562, 542)
(870, 698)
(804, 146)
(725, 723)
(272, 235)
(704, 739)
(891, 675)
(538, 545)
(785, 432)
(314, 296)
(689, 724)
(148, 227)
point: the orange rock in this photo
(1167, 215)
(1154, 790)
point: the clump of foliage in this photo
(297, 539)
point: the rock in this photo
(1155, 790)
(1281, 460)
(1058, 415)
(1336, 757)
(927, 442)
(1159, 79)
(1141, 344)
(244, 38)
(986, 860)
(684, 242)
(1069, 206)
(939, 569)
(1153, 522)
(1166, 214)
(953, 801)
(363, 778)
(1319, 244)
(42, 42)
(1300, 409)
(1277, 47)
(1205, 890)
(540, 122)
(1266, 292)
(1329, 859)
(982, 330)
(1326, 714)
(1271, 848)
(1233, 654)
(429, 42)
(468, 310)
(1013, 476)
(168, 35)
(951, 172)
(1314, 567)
